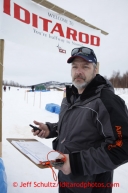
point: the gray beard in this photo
(80, 86)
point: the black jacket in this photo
(93, 130)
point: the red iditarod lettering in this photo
(95, 41)
(33, 19)
(6, 7)
(45, 23)
(17, 9)
(58, 28)
(85, 36)
(71, 33)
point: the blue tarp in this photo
(3, 178)
(53, 108)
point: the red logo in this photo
(118, 142)
(61, 50)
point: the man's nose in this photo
(79, 71)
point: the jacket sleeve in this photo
(53, 129)
(113, 152)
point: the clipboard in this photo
(16, 142)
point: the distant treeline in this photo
(12, 83)
(116, 79)
(119, 81)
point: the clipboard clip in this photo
(56, 162)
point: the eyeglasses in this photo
(83, 50)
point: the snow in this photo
(20, 108)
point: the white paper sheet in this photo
(35, 150)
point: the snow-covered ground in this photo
(20, 108)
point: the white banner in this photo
(42, 41)
(28, 23)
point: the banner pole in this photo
(1, 87)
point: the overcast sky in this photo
(109, 15)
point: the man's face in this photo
(82, 73)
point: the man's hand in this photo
(65, 168)
(45, 131)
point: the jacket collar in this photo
(91, 90)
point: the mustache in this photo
(78, 76)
